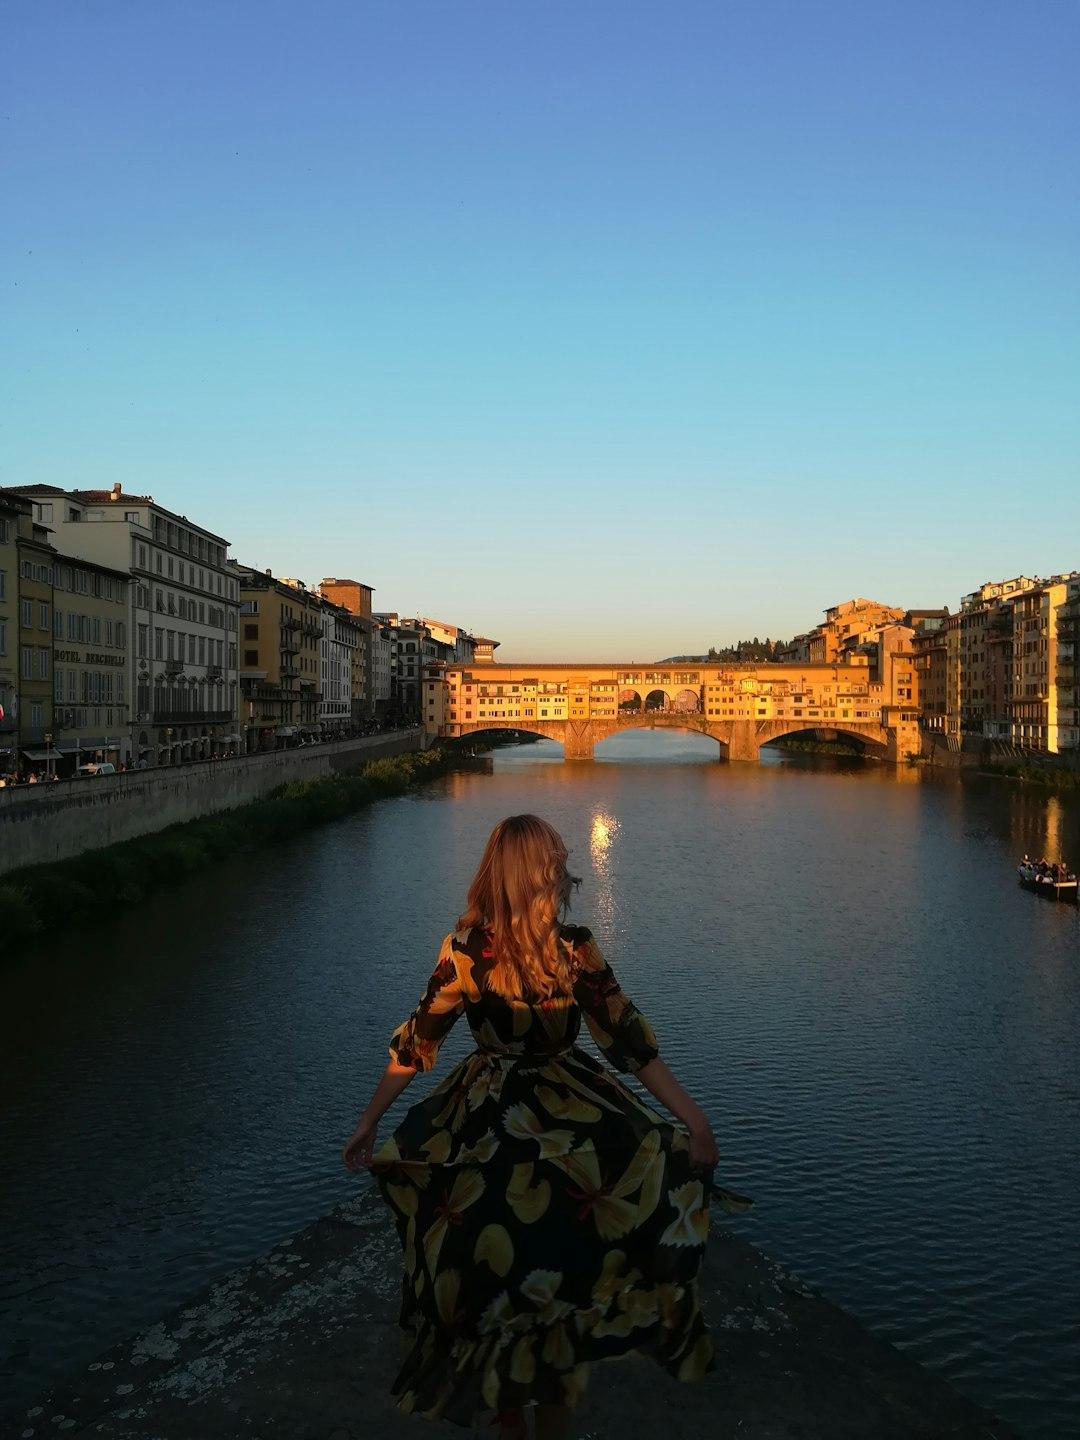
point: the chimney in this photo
(115, 492)
(268, 570)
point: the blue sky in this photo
(612, 330)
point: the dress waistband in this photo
(530, 1057)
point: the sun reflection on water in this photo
(602, 837)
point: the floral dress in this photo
(548, 1218)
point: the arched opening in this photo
(827, 740)
(656, 700)
(666, 744)
(687, 702)
(629, 700)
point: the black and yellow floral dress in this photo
(547, 1216)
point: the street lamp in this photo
(48, 754)
(168, 742)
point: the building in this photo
(929, 657)
(355, 597)
(1032, 704)
(845, 627)
(340, 640)
(1068, 670)
(406, 639)
(382, 690)
(10, 511)
(35, 557)
(91, 663)
(484, 650)
(280, 634)
(183, 615)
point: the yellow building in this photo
(845, 625)
(91, 676)
(10, 511)
(1068, 669)
(280, 631)
(1033, 690)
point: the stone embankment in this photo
(303, 1344)
(40, 824)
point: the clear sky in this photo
(608, 329)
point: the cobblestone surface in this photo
(302, 1345)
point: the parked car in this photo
(98, 768)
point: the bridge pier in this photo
(578, 740)
(743, 744)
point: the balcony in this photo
(290, 645)
(191, 717)
(174, 665)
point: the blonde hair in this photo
(519, 893)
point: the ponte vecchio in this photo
(741, 707)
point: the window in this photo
(58, 625)
(132, 516)
(26, 614)
(3, 637)
(3, 573)
(27, 662)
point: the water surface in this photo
(836, 959)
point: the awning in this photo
(43, 754)
(285, 730)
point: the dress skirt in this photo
(548, 1218)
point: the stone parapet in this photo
(43, 823)
(303, 1345)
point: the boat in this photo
(1044, 884)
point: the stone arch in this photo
(629, 700)
(687, 702)
(869, 739)
(656, 700)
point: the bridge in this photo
(740, 707)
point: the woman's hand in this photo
(703, 1149)
(360, 1145)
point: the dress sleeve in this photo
(616, 1024)
(416, 1040)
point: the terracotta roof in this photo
(106, 497)
(32, 490)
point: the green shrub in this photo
(47, 897)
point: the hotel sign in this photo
(72, 657)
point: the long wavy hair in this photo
(519, 894)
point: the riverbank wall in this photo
(974, 752)
(303, 1345)
(41, 824)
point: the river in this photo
(836, 958)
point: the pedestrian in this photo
(548, 1217)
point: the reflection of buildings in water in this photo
(1055, 814)
(602, 836)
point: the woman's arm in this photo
(659, 1081)
(361, 1143)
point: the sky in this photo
(609, 330)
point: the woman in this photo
(547, 1216)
